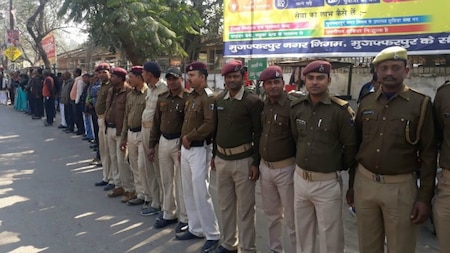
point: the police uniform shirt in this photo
(277, 142)
(325, 134)
(135, 105)
(442, 112)
(199, 115)
(115, 107)
(169, 115)
(100, 106)
(151, 98)
(239, 122)
(382, 126)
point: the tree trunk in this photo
(39, 34)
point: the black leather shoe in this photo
(109, 187)
(210, 246)
(48, 124)
(61, 127)
(161, 222)
(102, 183)
(187, 236)
(221, 249)
(78, 133)
(181, 227)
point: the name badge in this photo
(220, 108)
(300, 122)
(368, 112)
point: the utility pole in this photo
(11, 16)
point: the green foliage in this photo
(143, 29)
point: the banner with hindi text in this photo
(49, 45)
(326, 28)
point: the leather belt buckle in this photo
(307, 175)
(378, 178)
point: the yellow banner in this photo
(258, 28)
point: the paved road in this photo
(48, 202)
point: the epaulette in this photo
(344, 104)
(163, 93)
(209, 92)
(297, 101)
(446, 83)
(251, 96)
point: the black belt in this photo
(172, 136)
(197, 143)
(111, 125)
(135, 129)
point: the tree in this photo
(142, 29)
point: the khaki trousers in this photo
(135, 151)
(384, 210)
(104, 150)
(169, 163)
(441, 211)
(236, 195)
(117, 157)
(150, 173)
(195, 179)
(277, 195)
(318, 208)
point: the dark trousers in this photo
(68, 115)
(31, 103)
(78, 116)
(50, 109)
(95, 125)
(38, 107)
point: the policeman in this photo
(198, 127)
(104, 75)
(151, 176)
(442, 201)
(237, 160)
(114, 117)
(131, 137)
(169, 117)
(396, 130)
(325, 134)
(277, 149)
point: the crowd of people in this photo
(157, 143)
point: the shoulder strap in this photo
(423, 109)
(343, 104)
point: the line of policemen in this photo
(296, 146)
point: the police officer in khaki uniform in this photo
(325, 134)
(169, 117)
(104, 75)
(114, 117)
(237, 160)
(198, 127)
(131, 137)
(442, 200)
(151, 175)
(396, 129)
(277, 149)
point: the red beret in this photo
(271, 72)
(196, 66)
(232, 66)
(317, 67)
(120, 72)
(103, 66)
(136, 70)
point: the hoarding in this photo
(317, 28)
(49, 45)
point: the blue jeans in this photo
(88, 125)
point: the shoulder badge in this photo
(297, 101)
(209, 92)
(344, 104)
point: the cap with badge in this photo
(231, 66)
(173, 71)
(391, 53)
(118, 71)
(152, 67)
(136, 70)
(103, 66)
(196, 66)
(271, 72)
(317, 67)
